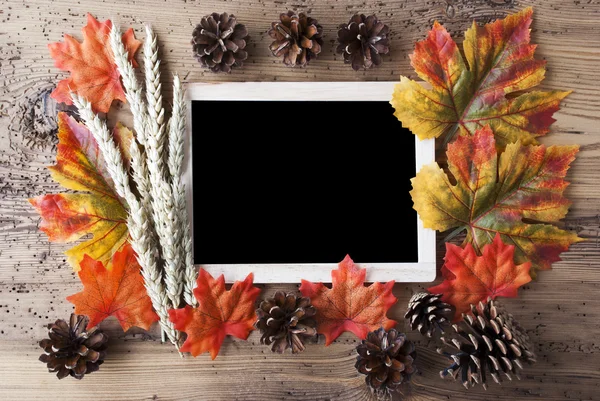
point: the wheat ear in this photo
(165, 216)
(137, 220)
(133, 90)
(156, 112)
(175, 163)
(134, 96)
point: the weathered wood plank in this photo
(560, 310)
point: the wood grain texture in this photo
(561, 310)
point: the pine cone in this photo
(427, 313)
(489, 342)
(219, 42)
(297, 38)
(362, 41)
(387, 360)
(286, 321)
(71, 350)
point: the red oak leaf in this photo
(349, 305)
(114, 290)
(219, 313)
(94, 74)
(470, 278)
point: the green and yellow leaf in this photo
(483, 88)
(518, 195)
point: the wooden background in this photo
(561, 310)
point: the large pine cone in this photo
(286, 321)
(71, 349)
(387, 359)
(362, 41)
(488, 342)
(428, 314)
(219, 42)
(297, 38)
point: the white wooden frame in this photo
(422, 271)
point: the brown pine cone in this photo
(387, 358)
(362, 41)
(298, 38)
(286, 321)
(219, 42)
(428, 313)
(487, 342)
(73, 350)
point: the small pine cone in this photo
(488, 342)
(428, 314)
(286, 321)
(362, 41)
(73, 350)
(387, 358)
(298, 38)
(219, 42)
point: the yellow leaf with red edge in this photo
(117, 290)
(483, 88)
(518, 195)
(219, 313)
(349, 305)
(97, 210)
(470, 279)
(94, 74)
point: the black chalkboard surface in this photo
(301, 182)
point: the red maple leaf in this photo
(219, 313)
(94, 74)
(469, 278)
(114, 290)
(349, 305)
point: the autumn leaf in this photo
(484, 89)
(97, 210)
(115, 290)
(349, 305)
(518, 195)
(219, 313)
(94, 74)
(470, 279)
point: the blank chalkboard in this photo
(301, 182)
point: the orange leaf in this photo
(117, 290)
(219, 313)
(98, 210)
(348, 305)
(94, 74)
(470, 278)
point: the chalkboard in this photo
(301, 182)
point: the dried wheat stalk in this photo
(175, 163)
(137, 221)
(166, 219)
(157, 220)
